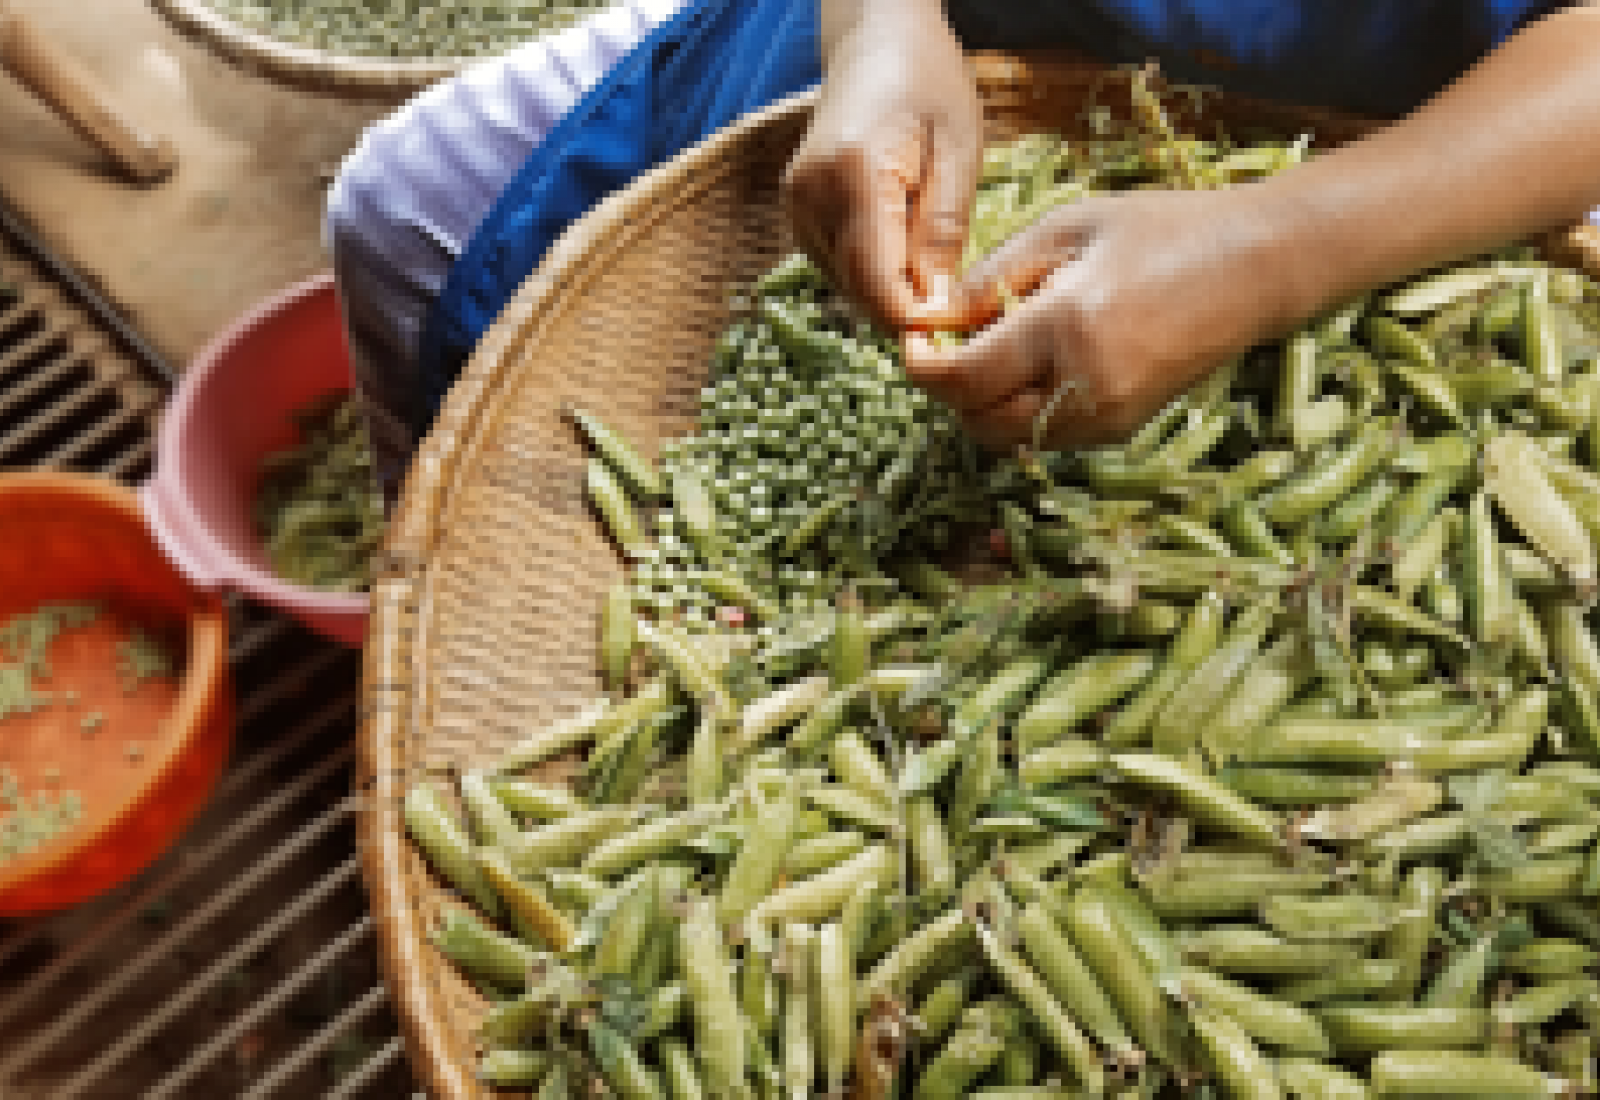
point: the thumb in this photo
(941, 210)
(1015, 270)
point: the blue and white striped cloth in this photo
(410, 196)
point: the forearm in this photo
(1505, 152)
(840, 18)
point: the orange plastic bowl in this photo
(151, 763)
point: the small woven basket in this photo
(344, 75)
(484, 624)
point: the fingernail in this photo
(938, 288)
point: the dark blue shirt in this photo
(1371, 56)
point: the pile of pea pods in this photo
(1256, 757)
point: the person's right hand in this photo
(880, 190)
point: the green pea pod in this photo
(1071, 980)
(513, 1068)
(680, 1070)
(719, 1028)
(1513, 469)
(1363, 979)
(978, 779)
(1378, 606)
(1449, 1074)
(942, 1006)
(621, 1066)
(1177, 726)
(1460, 983)
(1295, 786)
(1319, 489)
(1417, 560)
(1414, 931)
(1572, 643)
(925, 769)
(860, 768)
(1494, 386)
(1431, 389)
(1337, 918)
(1201, 795)
(1238, 949)
(1052, 1020)
(1077, 694)
(756, 868)
(950, 1073)
(1130, 725)
(1358, 1028)
(610, 499)
(488, 957)
(1253, 536)
(618, 635)
(1301, 375)
(1394, 338)
(930, 846)
(1411, 512)
(1238, 1063)
(1360, 509)
(555, 1086)
(1453, 285)
(1261, 691)
(1269, 1020)
(629, 928)
(1397, 799)
(640, 474)
(1538, 1005)
(1308, 1080)
(1193, 535)
(1157, 428)
(1191, 444)
(526, 903)
(447, 845)
(1538, 334)
(1092, 928)
(1550, 958)
(1002, 693)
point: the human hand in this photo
(1126, 301)
(880, 189)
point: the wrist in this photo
(845, 20)
(1298, 272)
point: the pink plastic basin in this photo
(231, 409)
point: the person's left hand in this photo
(1125, 302)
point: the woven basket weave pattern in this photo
(301, 66)
(484, 626)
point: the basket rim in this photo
(302, 66)
(394, 675)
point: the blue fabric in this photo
(719, 59)
(1375, 56)
(715, 61)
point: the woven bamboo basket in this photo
(342, 75)
(483, 625)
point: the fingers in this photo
(941, 209)
(1019, 267)
(1016, 353)
(851, 211)
(888, 220)
(874, 249)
